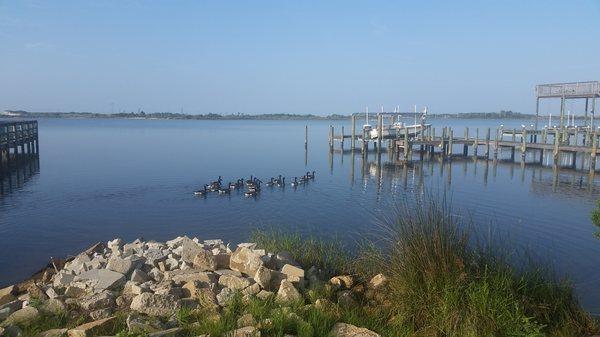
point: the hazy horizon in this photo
(282, 57)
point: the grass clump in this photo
(442, 283)
(328, 255)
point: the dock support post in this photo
(379, 132)
(305, 137)
(331, 138)
(496, 143)
(450, 139)
(342, 139)
(523, 143)
(593, 152)
(487, 144)
(556, 149)
(353, 139)
(562, 114)
(465, 145)
(476, 143)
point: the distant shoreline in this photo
(212, 116)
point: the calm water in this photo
(99, 179)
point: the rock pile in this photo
(147, 279)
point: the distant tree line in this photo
(503, 114)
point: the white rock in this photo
(155, 304)
(287, 292)
(349, 330)
(101, 279)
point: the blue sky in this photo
(291, 56)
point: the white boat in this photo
(396, 130)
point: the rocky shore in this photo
(147, 286)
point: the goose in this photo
(224, 191)
(295, 182)
(271, 182)
(250, 193)
(311, 175)
(201, 192)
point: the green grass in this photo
(443, 281)
(329, 255)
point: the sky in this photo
(318, 57)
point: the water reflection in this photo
(388, 168)
(18, 175)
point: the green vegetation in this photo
(441, 283)
(329, 255)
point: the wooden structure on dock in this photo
(19, 143)
(569, 91)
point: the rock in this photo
(36, 292)
(115, 245)
(63, 279)
(246, 320)
(222, 260)
(98, 301)
(139, 276)
(189, 250)
(95, 328)
(267, 278)
(222, 272)
(137, 323)
(167, 333)
(51, 293)
(101, 313)
(349, 330)
(248, 331)
(8, 308)
(101, 279)
(183, 276)
(224, 296)
(7, 294)
(154, 256)
(324, 304)
(74, 292)
(234, 282)
(11, 331)
(342, 282)
(377, 281)
(293, 273)
(133, 289)
(53, 306)
(264, 294)
(287, 292)
(120, 265)
(155, 304)
(53, 333)
(246, 261)
(252, 289)
(135, 247)
(346, 299)
(24, 315)
(205, 260)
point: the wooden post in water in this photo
(476, 143)
(305, 137)
(342, 139)
(379, 132)
(523, 143)
(353, 139)
(593, 152)
(465, 145)
(556, 142)
(487, 144)
(496, 143)
(450, 139)
(331, 137)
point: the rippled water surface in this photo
(99, 179)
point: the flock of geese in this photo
(252, 185)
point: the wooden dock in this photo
(486, 143)
(19, 144)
